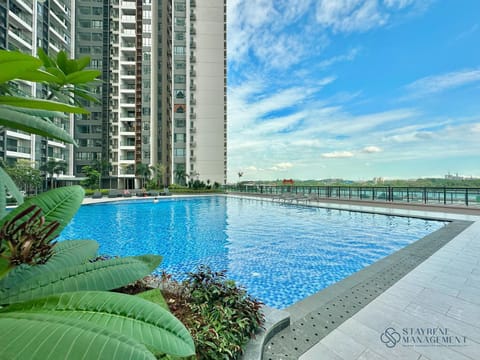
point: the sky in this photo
(353, 89)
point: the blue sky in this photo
(353, 89)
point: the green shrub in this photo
(220, 315)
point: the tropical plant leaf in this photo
(71, 252)
(6, 183)
(13, 119)
(58, 205)
(62, 60)
(37, 75)
(45, 114)
(81, 77)
(14, 64)
(134, 317)
(47, 61)
(25, 283)
(46, 337)
(22, 102)
(83, 62)
(60, 76)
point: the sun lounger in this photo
(97, 195)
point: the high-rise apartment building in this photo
(163, 98)
(27, 25)
(163, 94)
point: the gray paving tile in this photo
(369, 354)
(320, 351)
(466, 312)
(343, 345)
(470, 294)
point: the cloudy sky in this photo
(353, 89)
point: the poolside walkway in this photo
(433, 312)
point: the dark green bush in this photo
(220, 315)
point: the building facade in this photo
(163, 98)
(27, 25)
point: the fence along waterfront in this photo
(420, 195)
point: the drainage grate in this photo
(352, 294)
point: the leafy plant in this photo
(221, 316)
(51, 295)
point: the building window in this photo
(179, 137)
(179, 123)
(97, 24)
(179, 35)
(180, 65)
(179, 152)
(180, 21)
(179, 50)
(179, 79)
(180, 94)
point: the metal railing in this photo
(416, 195)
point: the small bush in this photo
(220, 315)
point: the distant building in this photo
(27, 25)
(163, 96)
(163, 92)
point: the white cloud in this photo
(439, 83)
(281, 166)
(350, 56)
(399, 4)
(350, 15)
(371, 149)
(338, 154)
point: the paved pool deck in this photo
(422, 303)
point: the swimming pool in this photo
(280, 253)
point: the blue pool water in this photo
(280, 253)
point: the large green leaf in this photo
(81, 77)
(37, 76)
(6, 183)
(70, 252)
(14, 64)
(44, 337)
(13, 119)
(41, 104)
(58, 205)
(136, 318)
(25, 283)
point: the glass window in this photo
(85, 10)
(97, 10)
(179, 152)
(179, 78)
(180, 65)
(180, 21)
(179, 50)
(179, 137)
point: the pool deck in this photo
(430, 312)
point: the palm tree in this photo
(143, 171)
(158, 171)
(180, 176)
(53, 167)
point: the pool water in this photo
(281, 253)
